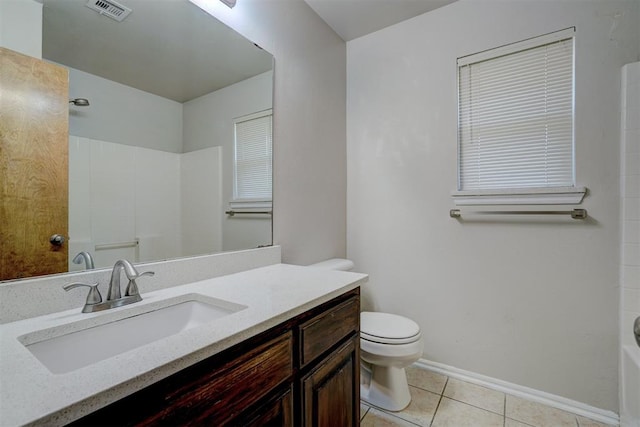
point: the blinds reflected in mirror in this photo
(253, 164)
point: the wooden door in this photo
(34, 148)
(331, 392)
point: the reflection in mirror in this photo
(152, 162)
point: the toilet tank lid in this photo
(387, 325)
(335, 264)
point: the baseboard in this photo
(575, 407)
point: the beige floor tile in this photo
(422, 407)
(508, 422)
(475, 395)
(363, 410)
(456, 414)
(425, 379)
(586, 422)
(538, 415)
(376, 418)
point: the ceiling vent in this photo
(109, 8)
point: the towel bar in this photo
(232, 212)
(119, 245)
(575, 213)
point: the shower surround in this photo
(630, 246)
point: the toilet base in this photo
(384, 386)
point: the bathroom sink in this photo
(66, 352)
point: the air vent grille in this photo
(109, 8)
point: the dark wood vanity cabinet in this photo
(303, 372)
(330, 386)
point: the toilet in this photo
(388, 344)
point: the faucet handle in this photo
(132, 287)
(93, 297)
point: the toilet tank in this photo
(335, 264)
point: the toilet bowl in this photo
(388, 344)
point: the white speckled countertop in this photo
(31, 395)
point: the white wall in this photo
(21, 26)
(208, 121)
(124, 115)
(309, 191)
(532, 301)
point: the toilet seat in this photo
(387, 328)
(390, 354)
(390, 341)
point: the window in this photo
(253, 160)
(515, 123)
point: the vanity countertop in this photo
(31, 395)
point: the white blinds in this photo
(253, 165)
(515, 117)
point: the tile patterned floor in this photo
(440, 401)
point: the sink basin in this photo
(70, 351)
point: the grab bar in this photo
(118, 245)
(575, 213)
(232, 212)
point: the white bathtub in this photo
(630, 387)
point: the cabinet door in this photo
(277, 412)
(331, 391)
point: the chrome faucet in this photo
(114, 295)
(114, 284)
(86, 257)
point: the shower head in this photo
(79, 102)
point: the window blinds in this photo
(253, 164)
(515, 116)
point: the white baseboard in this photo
(575, 407)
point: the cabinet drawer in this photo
(207, 393)
(320, 333)
(224, 393)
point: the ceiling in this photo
(355, 18)
(173, 49)
(170, 48)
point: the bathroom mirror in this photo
(152, 160)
